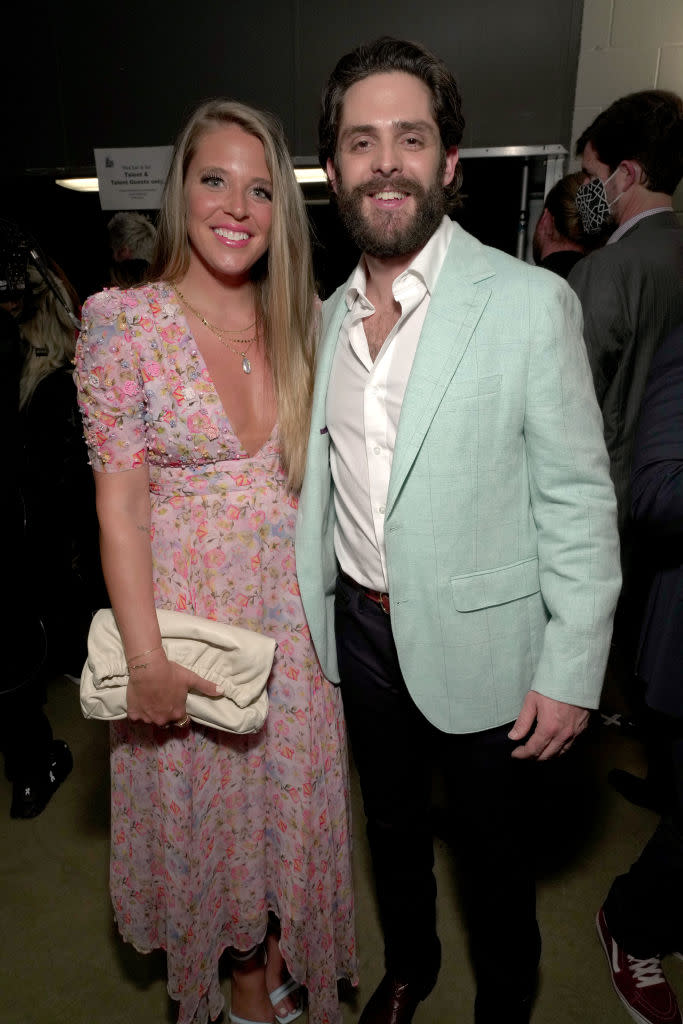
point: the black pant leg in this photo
(493, 802)
(644, 907)
(390, 740)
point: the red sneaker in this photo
(640, 984)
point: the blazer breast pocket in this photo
(473, 387)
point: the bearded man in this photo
(456, 547)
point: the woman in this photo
(219, 841)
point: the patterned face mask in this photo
(591, 202)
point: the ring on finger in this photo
(182, 722)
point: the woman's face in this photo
(228, 198)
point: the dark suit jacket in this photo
(632, 297)
(657, 489)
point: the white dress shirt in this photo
(364, 405)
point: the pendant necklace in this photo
(220, 331)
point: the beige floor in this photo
(62, 962)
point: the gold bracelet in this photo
(141, 655)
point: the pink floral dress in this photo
(210, 832)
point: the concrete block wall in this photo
(627, 45)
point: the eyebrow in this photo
(401, 126)
(215, 169)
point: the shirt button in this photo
(377, 450)
(382, 509)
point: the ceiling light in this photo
(79, 184)
(310, 175)
(304, 175)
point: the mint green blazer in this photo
(501, 536)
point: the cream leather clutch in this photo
(238, 658)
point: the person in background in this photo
(559, 240)
(35, 762)
(642, 918)
(631, 292)
(456, 544)
(131, 240)
(195, 391)
(55, 477)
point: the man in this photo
(559, 241)
(632, 296)
(642, 918)
(456, 543)
(632, 289)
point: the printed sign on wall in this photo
(132, 179)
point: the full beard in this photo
(386, 234)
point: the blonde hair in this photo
(285, 300)
(50, 335)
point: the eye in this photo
(212, 180)
(360, 145)
(262, 192)
(412, 141)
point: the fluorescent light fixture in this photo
(304, 175)
(79, 184)
(310, 175)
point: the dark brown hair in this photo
(643, 126)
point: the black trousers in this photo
(644, 907)
(491, 797)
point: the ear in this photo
(452, 158)
(546, 224)
(331, 175)
(634, 173)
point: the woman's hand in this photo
(157, 692)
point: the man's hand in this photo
(557, 726)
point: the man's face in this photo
(390, 169)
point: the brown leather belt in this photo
(382, 599)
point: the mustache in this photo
(398, 184)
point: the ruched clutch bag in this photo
(238, 658)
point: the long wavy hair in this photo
(47, 330)
(285, 298)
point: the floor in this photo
(63, 963)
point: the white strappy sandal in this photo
(287, 989)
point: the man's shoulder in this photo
(505, 270)
(653, 242)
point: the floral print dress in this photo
(211, 832)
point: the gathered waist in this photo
(217, 478)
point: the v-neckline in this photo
(200, 358)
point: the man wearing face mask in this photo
(632, 289)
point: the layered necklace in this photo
(242, 344)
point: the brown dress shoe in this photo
(392, 1002)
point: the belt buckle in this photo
(383, 602)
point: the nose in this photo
(387, 158)
(235, 203)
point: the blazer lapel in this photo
(458, 302)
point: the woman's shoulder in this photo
(109, 304)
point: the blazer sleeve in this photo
(572, 500)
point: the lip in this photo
(231, 235)
(389, 198)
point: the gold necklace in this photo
(218, 331)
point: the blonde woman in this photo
(195, 391)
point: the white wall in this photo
(626, 46)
